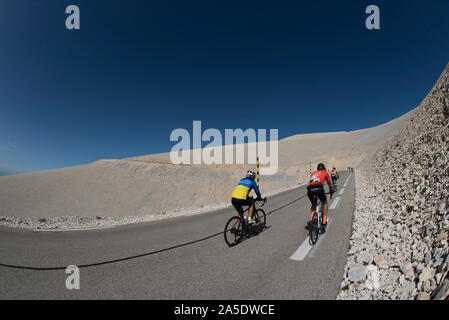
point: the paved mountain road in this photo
(186, 257)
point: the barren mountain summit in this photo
(151, 186)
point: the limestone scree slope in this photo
(399, 245)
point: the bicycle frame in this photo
(255, 208)
(319, 215)
(319, 211)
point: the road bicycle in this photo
(334, 187)
(334, 184)
(316, 225)
(237, 228)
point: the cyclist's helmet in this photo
(250, 174)
(334, 168)
(321, 167)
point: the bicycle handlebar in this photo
(262, 199)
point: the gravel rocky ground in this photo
(78, 222)
(399, 243)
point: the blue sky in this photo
(136, 70)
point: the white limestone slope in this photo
(152, 186)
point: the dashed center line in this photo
(322, 236)
(304, 249)
(335, 203)
(342, 191)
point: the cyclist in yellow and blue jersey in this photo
(334, 175)
(240, 195)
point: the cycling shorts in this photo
(315, 191)
(239, 203)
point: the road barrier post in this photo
(257, 171)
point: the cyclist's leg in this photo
(325, 209)
(237, 203)
(323, 198)
(313, 201)
(252, 206)
(312, 211)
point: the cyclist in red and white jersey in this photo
(315, 189)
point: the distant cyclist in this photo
(315, 189)
(334, 175)
(240, 195)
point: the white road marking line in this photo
(345, 184)
(322, 236)
(342, 191)
(302, 251)
(335, 203)
(73, 229)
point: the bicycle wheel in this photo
(321, 228)
(314, 230)
(233, 234)
(261, 217)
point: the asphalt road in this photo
(186, 257)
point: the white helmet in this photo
(250, 174)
